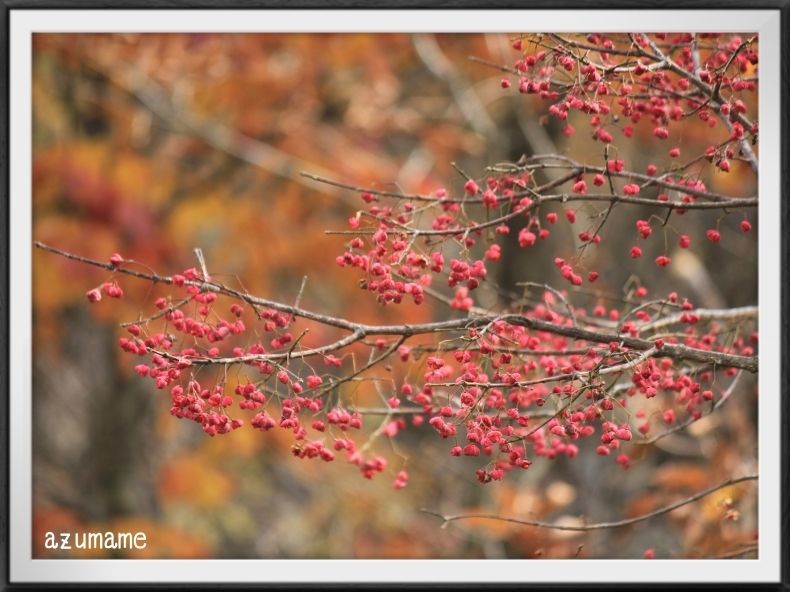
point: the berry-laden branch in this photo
(601, 525)
(360, 331)
(527, 379)
(483, 337)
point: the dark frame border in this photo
(6, 6)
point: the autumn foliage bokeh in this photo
(151, 145)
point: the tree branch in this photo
(678, 352)
(601, 525)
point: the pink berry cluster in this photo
(647, 89)
(489, 397)
(502, 390)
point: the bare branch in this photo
(601, 525)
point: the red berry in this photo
(471, 187)
(494, 252)
(623, 434)
(746, 226)
(580, 187)
(615, 166)
(663, 261)
(471, 450)
(526, 238)
(603, 451)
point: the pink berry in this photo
(623, 434)
(580, 187)
(471, 187)
(663, 261)
(471, 450)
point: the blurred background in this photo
(150, 145)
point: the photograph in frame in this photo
(290, 288)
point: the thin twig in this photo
(682, 426)
(558, 294)
(598, 526)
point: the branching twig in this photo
(601, 525)
(680, 352)
(684, 425)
